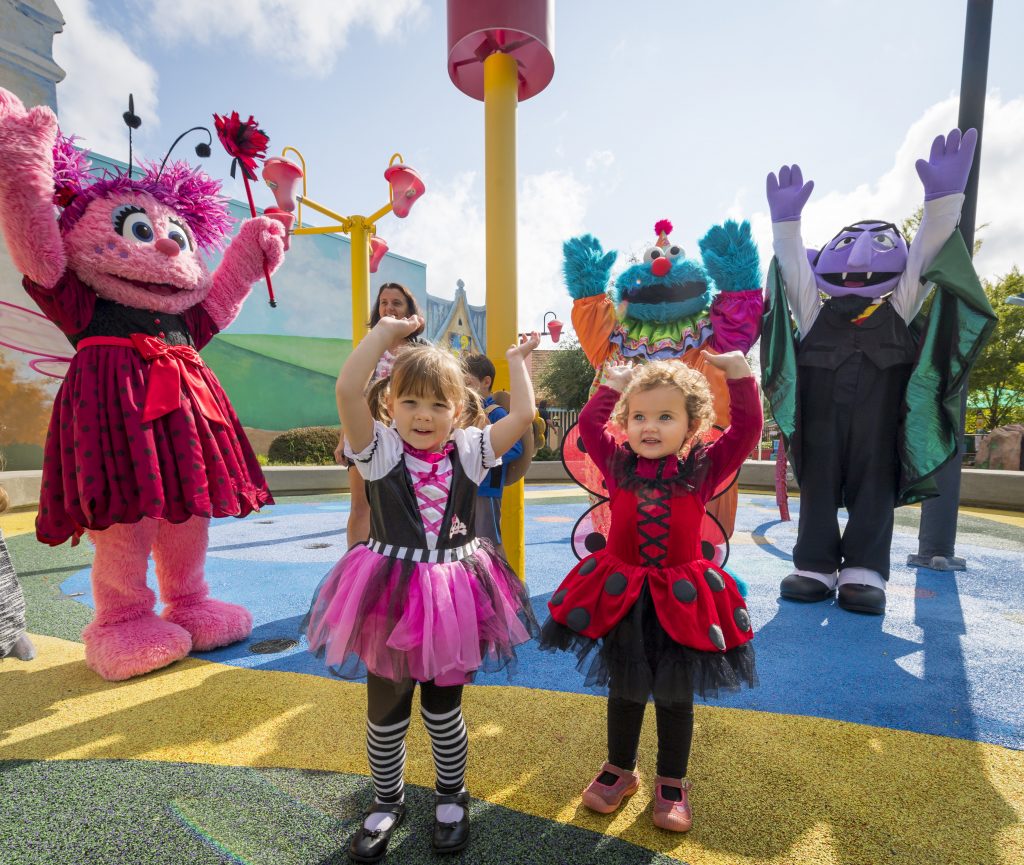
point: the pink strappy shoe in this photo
(605, 798)
(673, 816)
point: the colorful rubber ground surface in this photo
(870, 740)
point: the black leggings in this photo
(675, 734)
(388, 702)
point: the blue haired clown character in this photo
(868, 404)
(670, 307)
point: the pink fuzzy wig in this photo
(192, 193)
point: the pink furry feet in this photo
(125, 649)
(211, 623)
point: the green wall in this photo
(279, 382)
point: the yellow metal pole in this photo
(359, 232)
(501, 83)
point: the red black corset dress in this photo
(658, 617)
(140, 426)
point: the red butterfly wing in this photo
(590, 533)
(580, 466)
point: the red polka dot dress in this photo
(649, 613)
(140, 426)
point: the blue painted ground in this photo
(946, 659)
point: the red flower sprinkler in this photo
(245, 143)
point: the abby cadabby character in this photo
(143, 446)
(666, 307)
(867, 398)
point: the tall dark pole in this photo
(936, 540)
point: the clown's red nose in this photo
(661, 266)
(168, 247)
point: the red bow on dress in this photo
(171, 366)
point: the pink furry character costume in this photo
(143, 446)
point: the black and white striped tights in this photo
(389, 708)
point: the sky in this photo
(671, 110)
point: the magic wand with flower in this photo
(245, 143)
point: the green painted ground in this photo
(81, 811)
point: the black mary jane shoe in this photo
(370, 845)
(451, 837)
(807, 590)
(862, 599)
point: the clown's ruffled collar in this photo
(660, 340)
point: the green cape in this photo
(950, 336)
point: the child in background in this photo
(13, 639)
(424, 600)
(473, 413)
(480, 379)
(665, 621)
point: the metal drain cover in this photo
(316, 546)
(271, 647)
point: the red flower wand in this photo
(245, 142)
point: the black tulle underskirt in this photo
(637, 660)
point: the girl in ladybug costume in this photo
(660, 619)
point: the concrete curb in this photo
(980, 488)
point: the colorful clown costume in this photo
(668, 307)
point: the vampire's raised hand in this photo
(787, 194)
(947, 167)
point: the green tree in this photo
(997, 379)
(996, 385)
(568, 376)
(912, 223)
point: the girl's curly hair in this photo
(663, 373)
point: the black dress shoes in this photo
(862, 599)
(370, 845)
(797, 587)
(452, 837)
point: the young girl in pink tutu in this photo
(423, 600)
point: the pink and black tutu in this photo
(415, 620)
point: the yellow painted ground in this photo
(767, 788)
(18, 523)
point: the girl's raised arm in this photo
(353, 411)
(507, 431)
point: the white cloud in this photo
(552, 208)
(600, 159)
(102, 68)
(898, 193)
(446, 230)
(310, 33)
